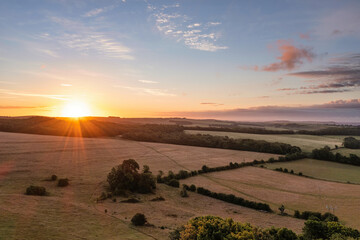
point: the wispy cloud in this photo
(212, 104)
(147, 81)
(23, 94)
(19, 107)
(196, 35)
(66, 85)
(149, 91)
(341, 75)
(87, 40)
(49, 52)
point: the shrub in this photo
(183, 193)
(36, 190)
(174, 183)
(130, 200)
(300, 173)
(192, 188)
(53, 177)
(160, 198)
(138, 219)
(63, 182)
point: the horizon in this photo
(228, 60)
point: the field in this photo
(72, 211)
(322, 170)
(347, 151)
(306, 142)
(276, 188)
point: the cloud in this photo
(200, 36)
(147, 81)
(49, 52)
(341, 75)
(66, 85)
(304, 36)
(51, 96)
(97, 11)
(78, 36)
(18, 107)
(212, 104)
(291, 57)
(150, 91)
(340, 111)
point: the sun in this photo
(76, 109)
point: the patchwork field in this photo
(72, 211)
(296, 193)
(322, 170)
(306, 142)
(347, 151)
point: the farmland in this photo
(295, 192)
(306, 142)
(325, 170)
(72, 211)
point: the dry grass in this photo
(296, 193)
(71, 212)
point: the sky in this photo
(232, 60)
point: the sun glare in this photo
(76, 109)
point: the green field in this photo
(347, 151)
(306, 142)
(322, 170)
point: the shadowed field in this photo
(72, 211)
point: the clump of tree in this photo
(326, 155)
(231, 198)
(176, 135)
(252, 130)
(343, 130)
(316, 215)
(210, 227)
(36, 190)
(351, 142)
(139, 219)
(125, 177)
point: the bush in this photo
(183, 193)
(130, 200)
(53, 177)
(160, 198)
(138, 219)
(192, 188)
(36, 190)
(63, 182)
(174, 183)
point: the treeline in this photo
(251, 130)
(231, 198)
(81, 127)
(176, 135)
(326, 155)
(316, 215)
(350, 131)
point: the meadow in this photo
(325, 170)
(72, 211)
(306, 142)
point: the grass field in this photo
(322, 170)
(306, 142)
(72, 212)
(295, 192)
(347, 151)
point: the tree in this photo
(282, 209)
(138, 219)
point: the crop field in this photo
(325, 170)
(306, 142)
(72, 211)
(295, 192)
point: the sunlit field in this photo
(295, 192)
(325, 170)
(72, 211)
